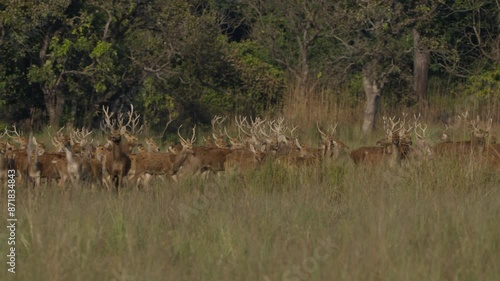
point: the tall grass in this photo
(434, 220)
(427, 221)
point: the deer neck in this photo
(124, 144)
(69, 155)
(179, 160)
(117, 150)
(395, 156)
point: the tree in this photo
(374, 43)
(289, 30)
(66, 52)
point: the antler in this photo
(233, 140)
(183, 140)
(80, 136)
(5, 133)
(390, 125)
(133, 121)
(107, 123)
(57, 140)
(179, 133)
(333, 129)
(240, 121)
(217, 120)
(323, 135)
(12, 131)
(423, 129)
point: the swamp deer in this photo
(388, 149)
(118, 164)
(474, 146)
(152, 145)
(243, 159)
(34, 168)
(161, 163)
(422, 149)
(331, 148)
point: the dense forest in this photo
(185, 61)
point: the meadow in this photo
(423, 220)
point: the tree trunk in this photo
(421, 58)
(55, 105)
(372, 93)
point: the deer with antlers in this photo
(330, 148)
(35, 167)
(78, 166)
(162, 163)
(422, 148)
(475, 145)
(17, 154)
(388, 149)
(152, 145)
(118, 162)
(30, 157)
(243, 155)
(202, 160)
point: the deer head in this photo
(152, 145)
(21, 141)
(187, 144)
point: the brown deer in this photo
(202, 161)
(331, 148)
(18, 154)
(78, 167)
(152, 145)
(388, 148)
(21, 141)
(118, 164)
(213, 159)
(161, 163)
(102, 154)
(25, 162)
(474, 146)
(422, 149)
(34, 167)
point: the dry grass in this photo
(431, 221)
(436, 220)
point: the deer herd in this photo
(123, 160)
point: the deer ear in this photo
(335, 143)
(263, 147)
(251, 148)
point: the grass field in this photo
(433, 220)
(437, 220)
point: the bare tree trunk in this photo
(372, 93)
(73, 119)
(421, 58)
(55, 105)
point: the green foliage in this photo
(262, 82)
(356, 91)
(159, 107)
(193, 59)
(486, 84)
